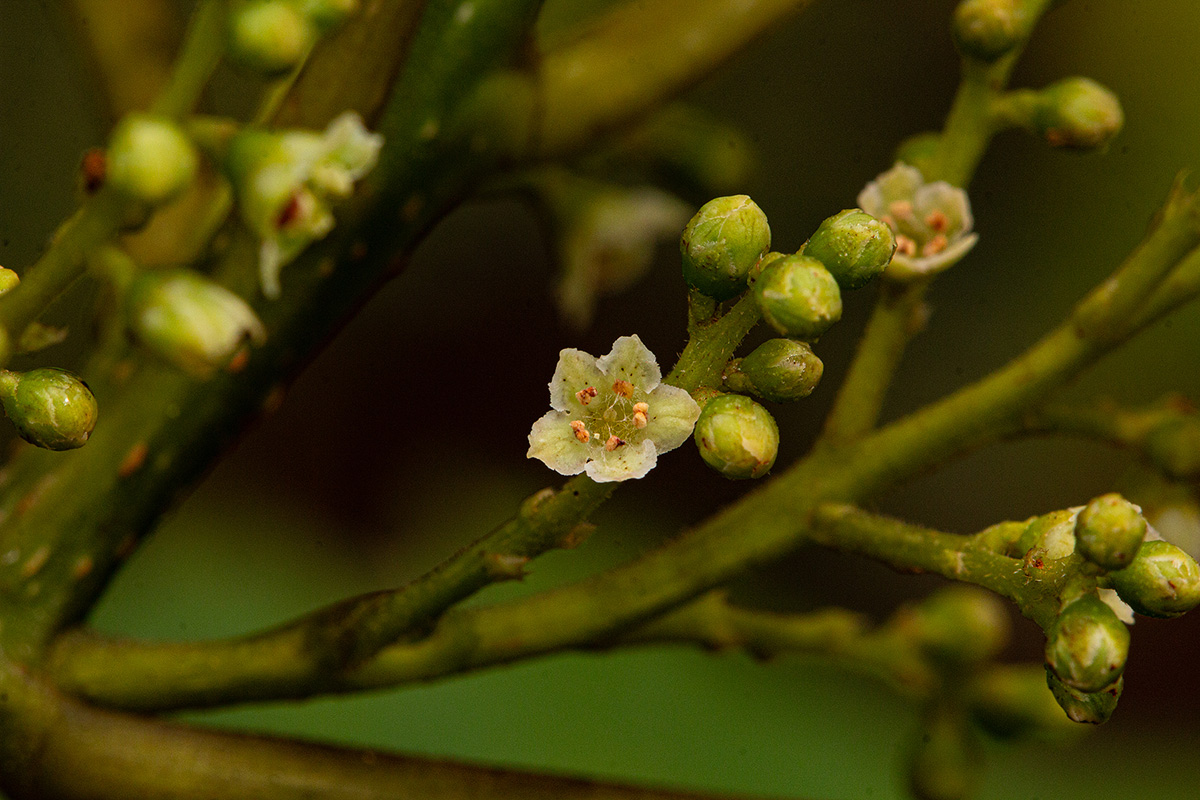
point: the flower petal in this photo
(576, 371)
(672, 417)
(552, 441)
(632, 361)
(624, 463)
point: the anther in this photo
(640, 412)
(623, 388)
(581, 431)
(938, 221)
(935, 245)
(613, 443)
(905, 246)
(584, 396)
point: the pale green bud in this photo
(1091, 707)
(1163, 581)
(50, 407)
(799, 297)
(1077, 113)
(780, 370)
(1109, 531)
(1088, 645)
(721, 244)
(270, 36)
(958, 624)
(189, 320)
(9, 280)
(987, 29)
(854, 246)
(150, 159)
(948, 762)
(737, 437)
(1013, 701)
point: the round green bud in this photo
(799, 297)
(737, 437)
(1077, 113)
(189, 320)
(270, 36)
(50, 407)
(958, 624)
(150, 159)
(1109, 531)
(1013, 702)
(9, 280)
(987, 29)
(854, 246)
(1163, 581)
(779, 370)
(1090, 707)
(1088, 645)
(721, 244)
(948, 761)
(1174, 447)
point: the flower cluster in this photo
(612, 416)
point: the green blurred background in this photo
(383, 461)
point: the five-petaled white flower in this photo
(612, 415)
(932, 221)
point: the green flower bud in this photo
(51, 408)
(799, 297)
(1109, 531)
(1052, 534)
(271, 36)
(9, 280)
(958, 624)
(190, 321)
(1077, 113)
(1088, 645)
(1163, 581)
(854, 246)
(1174, 447)
(1013, 702)
(780, 370)
(948, 762)
(150, 159)
(1090, 707)
(987, 29)
(737, 437)
(722, 243)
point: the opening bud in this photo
(958, 624)
(779, 370)
(50, 407)
(987, 29)
(1077, 113)
(854, 246)
(799, 297)
(1109, 531)
(150, 159)
(1091, 707)
(190, 321)
(1163, 581)
(1088, 645)
(270, 36)
(722, 243)
(737, 437)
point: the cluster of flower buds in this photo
(725, 250)
(273, 36)
(50, 407)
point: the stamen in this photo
(613, 443)
(938, 221)
(901, 209)
(905, 246)
(935, 245)
(584, 396)
(581, 431)
(640, 410)
(623, 388)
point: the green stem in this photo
(712, 344)
(203, 48)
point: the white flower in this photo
(612, 415)
(932, 221)
(285, 182)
